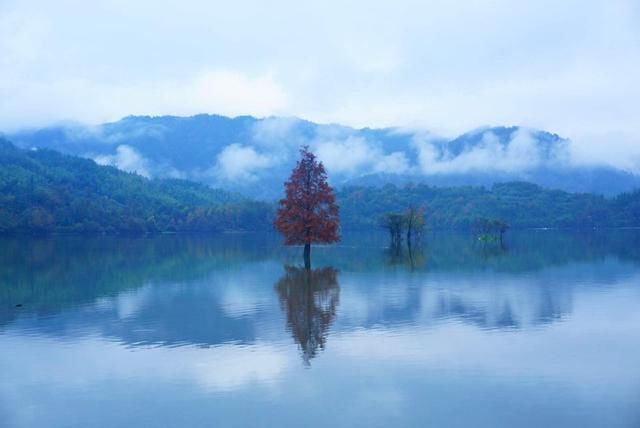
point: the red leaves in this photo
(308, 213)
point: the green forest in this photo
(519, 204)
(43, 191)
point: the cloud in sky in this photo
(569, 67)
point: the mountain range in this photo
(254, 156)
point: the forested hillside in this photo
(43, 191)
(521, 205)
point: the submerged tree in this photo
(490, 229)
(308, 213)
(414, 219)
(394, 223)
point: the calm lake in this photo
(229, 330)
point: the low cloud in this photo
(354, 155)
(127, 159)
(238, 162)
(521, 153)
(345, 156)
(394, 163)
(617, 149)
(342, 151)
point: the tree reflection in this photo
(490, 249)
(413, 256)
(310, 299)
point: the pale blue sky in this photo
(569, 66)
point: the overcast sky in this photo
(570, 67)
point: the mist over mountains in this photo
(255, 156)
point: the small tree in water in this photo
(414, 219)
(308, 213)
(394, 223)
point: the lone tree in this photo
(308, 213)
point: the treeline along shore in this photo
(43, 191)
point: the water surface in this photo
(229, 330)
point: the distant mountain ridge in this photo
(254, 156)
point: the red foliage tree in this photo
(308, 214)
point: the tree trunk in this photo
(307, 256)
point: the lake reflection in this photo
(232, 331)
